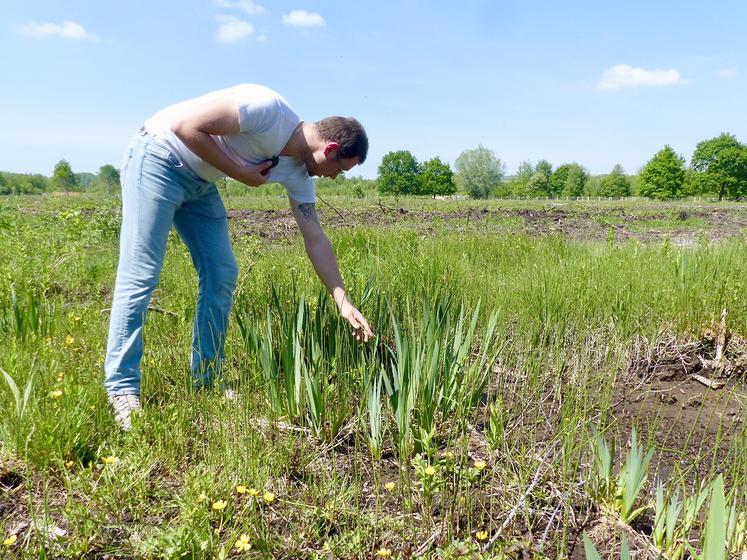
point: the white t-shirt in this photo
(266, 122)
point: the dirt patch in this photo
(692, 412)
(681, 226)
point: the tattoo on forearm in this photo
(308, 211)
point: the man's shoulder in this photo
(257, 92)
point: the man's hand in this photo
(255, 175)
(361, 330)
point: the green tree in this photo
(398, 174)
(538, 185)
(517, 184)
(85, 180)
(436, 178)
(575, 181)
(39, 183)
(19, 184)
(721, 167)
(663, 176)
(616, 184)
(524, 173)
(108, 178)
(63, 178)
(559, 180)
(544, 166)
(478, 171)
(22, 183)
(693, 183)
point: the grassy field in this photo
(528, 356)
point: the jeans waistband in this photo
(144, 133)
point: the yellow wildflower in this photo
(268, 497)
(389, 486)
(220, 505)
(202, 497)
(110, 460)
(241, 489)
(56, 394)
(10, 541)
(69, 340)
(482, 535)
(430, 471)
(242, 544)
(76, 318)
(480, 465)
(69, 464)
(384, 552)
(449, 455)
(253, 492)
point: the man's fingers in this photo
(265, 167)
(366, 331)
(366, 328)
(361, 330)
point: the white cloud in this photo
(246, 6)
(262, 38)
(622, 76)
(302, 18)
(233, 29)
(64, 30)
(727, 73)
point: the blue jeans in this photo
(158, 190)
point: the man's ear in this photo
(331, 147)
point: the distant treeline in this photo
(63, 180)
(717, 169)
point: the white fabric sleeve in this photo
(301, 191)
(257, 115)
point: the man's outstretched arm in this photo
(322, 256)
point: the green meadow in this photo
(532, 389)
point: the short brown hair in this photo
(348, 133)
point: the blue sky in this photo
(593, 82)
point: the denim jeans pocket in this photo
(158, 152)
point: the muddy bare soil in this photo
(682, 225)
(692, 411)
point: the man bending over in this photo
(248, 133)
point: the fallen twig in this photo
(520, 503)
(708, 382)
(282, 426)
(621, 230)
(333, 208)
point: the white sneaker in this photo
(124, 406)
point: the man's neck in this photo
(302, 142)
